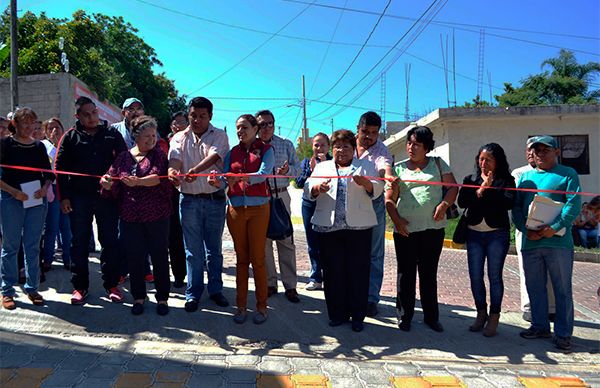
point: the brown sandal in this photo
(36, 299)
(8, 303)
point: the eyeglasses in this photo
(135, 108)
(265, 124)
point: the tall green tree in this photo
(564, 82)
(104, 51)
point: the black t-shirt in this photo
(14, 153)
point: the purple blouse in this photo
(141, 203)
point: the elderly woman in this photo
(248, 213)
(320, 148)
(343, 219)
(144, 207)
(419, 217)
(22, 219)
(56, 221)
(488, 231)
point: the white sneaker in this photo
(312, 286)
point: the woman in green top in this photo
(418, 211)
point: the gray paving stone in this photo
(202, 380)
(94, 383)
(240, 375)
(373, 375)
(308, 371)
(401, 369)
(63, 378)
(15, 360)
(184, 358)
(465, 371)
(476, 382)
(78, 361)
(114, 358)
(500, 379)
(104, 371)
(210, 366)
(51, 356)
(346, 382)
(531, 373)
(280, 367)
(5, 348)
(312, 363)
(242, 359)
(338, 368)
(143, 364)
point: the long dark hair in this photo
(502, 168)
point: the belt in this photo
(279, 190)
(217, 195)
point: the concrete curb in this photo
(587, 257)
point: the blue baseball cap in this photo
(130, 101)
(545, 140)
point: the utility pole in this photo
(304, 129)
(14, 59)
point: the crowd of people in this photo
(165, 202)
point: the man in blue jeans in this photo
(199, 149)
(368, 146)
(548, 250)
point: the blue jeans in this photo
(202, 221)
(28, 223)
(57, 222)
(312, 241)
(377, 251)
(558, 263)
(493, 246)
(585, 235)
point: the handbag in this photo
(452, 211)
(460, 233)
(280, 223)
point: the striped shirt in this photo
(284, 152)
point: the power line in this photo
(253, 51)
(253, 98)
(447, 23)
(359, 51)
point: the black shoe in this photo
(336, 322)
(372, 309)
(357, 326)
(562, 343)
(527, 316)
(162, 309)
(271, 291)
(191, 305)
(46, 267)
(219, 299)
(532, 333)
(404, 325)
(292, 295)
(178, 283)
(551, 317)
(137, 309)
(435, 326)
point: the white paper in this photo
(30, 188)
(543, 211)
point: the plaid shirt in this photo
(284, 151)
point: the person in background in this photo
(22, 221)
(179, 122)
(418, 212)
(4, 132)
(90, 148)
(370, 147)
(38, 131)
(320, 148)
(57, 223)
(132, 108)
(144, 208)
(587, 223)
(286, 163)
(344, 218)
(525, 305)
(488, 231)
(248, 214)
(549, 250)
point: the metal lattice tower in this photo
(480, 62)
(407, 81)
(383, 91)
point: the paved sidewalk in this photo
(102, 344)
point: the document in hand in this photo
(543, 211)
(30, 188)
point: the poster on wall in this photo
(106, 111)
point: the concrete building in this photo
(459, 132)
(52, 95)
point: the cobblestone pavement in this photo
(102, 344)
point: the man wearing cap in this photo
(525, 306)
(548, 250)
(132, 108)
(200, 149)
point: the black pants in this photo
(346, 258)
(419, 251)
(176, 247)
(142, 239)
(85, 207)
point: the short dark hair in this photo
(322, 135)
(179, 113)
(265, 112)
(251, 119)
(423, 135)
(141, 123)
(201, 102)
(370, 118)
(81, 101)
(502, 169)
(344, 135)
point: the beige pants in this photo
(287, 256)
(524, 295)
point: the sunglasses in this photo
(266, 124)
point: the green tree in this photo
(304, 150)
(566, 82)
(104, 51)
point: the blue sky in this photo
(195, 49)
